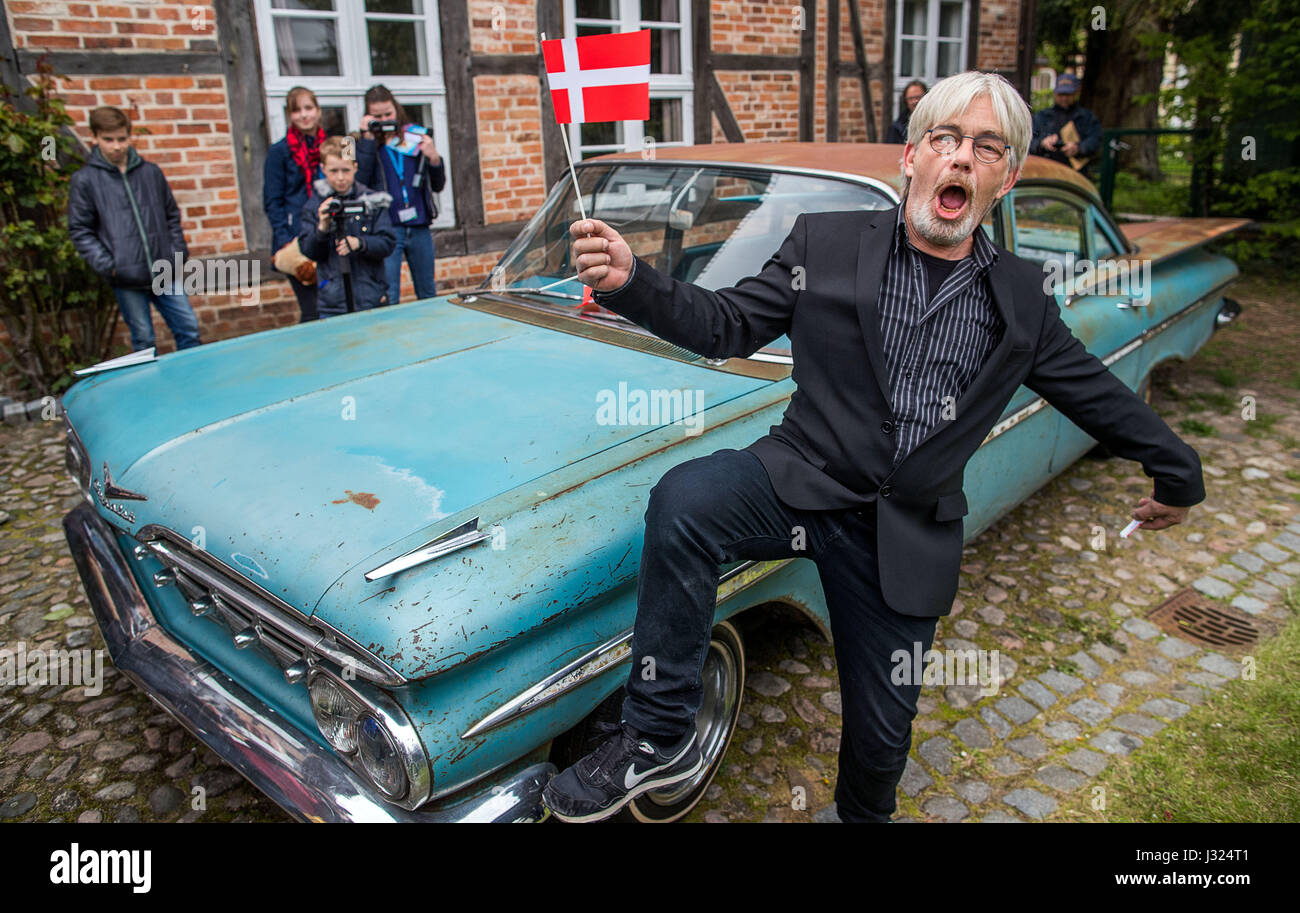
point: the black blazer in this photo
(833, 448)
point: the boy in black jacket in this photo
(364, 238)
(124, 222)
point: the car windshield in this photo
(710, 225)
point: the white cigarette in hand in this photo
(1128, 530)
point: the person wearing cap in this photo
(1049, 123)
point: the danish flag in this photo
(599, 77)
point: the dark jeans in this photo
(306, 295)
(416, 244)
(720, 508)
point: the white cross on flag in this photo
(599, 77)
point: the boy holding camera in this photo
(346, 229)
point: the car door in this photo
(1081, 257)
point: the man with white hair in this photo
(911, 332)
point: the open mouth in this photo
(950, 201)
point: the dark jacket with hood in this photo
(374, 229)
(371, 172)
(898, 129)
(122, 224)
(1052, 120)
(284, 190)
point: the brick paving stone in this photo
(972, 733)
(1249, 604)
(1031, 802)
(975, 792)
(1085, 761)
(1110, 693)
(1113, 742)
(1140, 678)
(1060, 682)
(1060, 778)
(1252, 563)
(1137, 724)
(1106, 654)
(946, 808)
(1271, 553)
(1219, 665)
(1087, 665)
(997, 816)
(1006, 765)
(938, 752)
(767, 684)
(1140, 628)
(1278, 579)
(1038, 694)
(914, 778)
(1090, 711)
(1177, 648)
(1207, 679)
(1061, 730)
(1288, 540)
(1165, 707)
(1211, 587)
(1265, 591)
(1001, 728)
(1017, 709)
(1030, 746)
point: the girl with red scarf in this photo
(291, 166)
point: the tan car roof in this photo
(873, 160)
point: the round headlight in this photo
(380, 757)
(335, 714)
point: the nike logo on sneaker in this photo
(632, 778)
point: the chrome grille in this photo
(253, 616)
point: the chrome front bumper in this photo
(307, 781)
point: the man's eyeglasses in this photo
(989, 148)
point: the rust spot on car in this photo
(364, 498)
(380, 593)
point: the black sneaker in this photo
(625, 766)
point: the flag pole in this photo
(568, 154)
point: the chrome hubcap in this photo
(712, 723)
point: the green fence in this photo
(1182, 176)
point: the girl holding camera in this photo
(399, 157)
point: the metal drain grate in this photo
(1190, 615)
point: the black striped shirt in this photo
(933, 351)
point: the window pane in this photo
(334, 120)
(665, 122)
(949, 58)
(419, 113)
(1105, 250)
(594, 30)
(1047, 229)
(317, 5)
(665, 51)
(911, 59)
(661, 11)
(950, 19)
(596, 9)
(914, 15)
(307, 47)
(607, 133)
(408, 7)
(396, 48)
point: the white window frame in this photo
(662, 85)
(932, 41)
(347, 89)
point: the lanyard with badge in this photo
(407, 147)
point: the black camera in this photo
(384, 128)
(338, 209)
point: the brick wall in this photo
(510, 146)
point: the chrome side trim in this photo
(606, 656)
(308, 781)
(462, 536)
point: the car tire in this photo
(723, 677)
(1101, 451)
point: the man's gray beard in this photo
(940, 232)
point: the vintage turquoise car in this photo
(385, 564)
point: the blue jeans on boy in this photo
(175, 309)
(417, 242)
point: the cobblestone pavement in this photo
(1086, 677)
